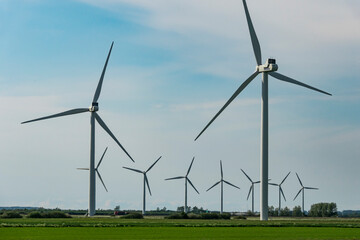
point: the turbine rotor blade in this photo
(101, 158)
(133, 169)
(293, 81)
(237, 92)
(299, 180)
(190, 167)
(192, 185)
(103, 125)
(98, 89)
(174, 178)
(246, 175)
(153, 164)
(221, 170)
(257, 182)
(82, 168)
(251, 187)
(274, 184)
(231, 184)
(101, 179)
(282, 193)
(147, 183)
(213, 185)
(284, 178)
(254, 39)
(297, 194)
(70, 112)
(311, 188)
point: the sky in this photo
(173, 66)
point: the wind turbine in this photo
(269, 68)
(186, 181)
(280, 191)
(93, 115)
(146, 181)
(251, 190)
(303, 190)
(222, 181)
(97, 169)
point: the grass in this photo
(157, 228)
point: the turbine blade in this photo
(173, 178)
(290, 80)
(101, 179)
(282, 193)
(190, 166)
(192, 185)
(98, 89)
(231, 184)
(237, 92)
(246, 175)
(153, 164)
(221, 170)
(274, 184)
(254, 39)
(284, 178)
(251, 187)
(70, 112)
(101, 158)
(133, 169)
(103, 125)
(297, 194)
(82, 168)
(299, 180)
(257, 182)
(311, 188)
(213, 185)
(147, 183)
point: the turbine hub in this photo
(94, 107)
(269, 66)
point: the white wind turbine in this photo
(186, 181)
(146, 181)
(93, 115)
(302, 189)
(269, 68)
(222, 181)
(280, 191)
(251, 190)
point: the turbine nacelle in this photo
(94, 107)
(269, 66)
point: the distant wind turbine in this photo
(146, 181)
(251, 190)
(186, 181)
(280, 191)
(269, 68)
(222, 181)
(92, 109)
(302, 189)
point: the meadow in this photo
(158, 228)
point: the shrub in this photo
(133, 215)
(34, 215)
(225, 216)
(210, 216)
(11, 214)
(240, 217)
(194, 216)
(178, 216)
(56, 214)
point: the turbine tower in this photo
(186, 181)
(146, 181)
(251, 190)
(222, 181)
(303, 191)
(93, 116)
(269, 68)
(280, 191)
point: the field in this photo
(157, 228)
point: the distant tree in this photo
(271, 211)
(163, 209)
(285, 212)
(117, 208)
(180, 209)
(297, 212)
(323, 210)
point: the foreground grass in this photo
(50, 233)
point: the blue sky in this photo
(173, 65)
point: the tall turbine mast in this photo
(281, 192)
(251, 190)
(146, 182)
(93, 116)
(187, 180)
(302, 189)
(222, 181)
(269, 68)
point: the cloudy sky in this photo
(173, 65)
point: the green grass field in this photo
(155, 228)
